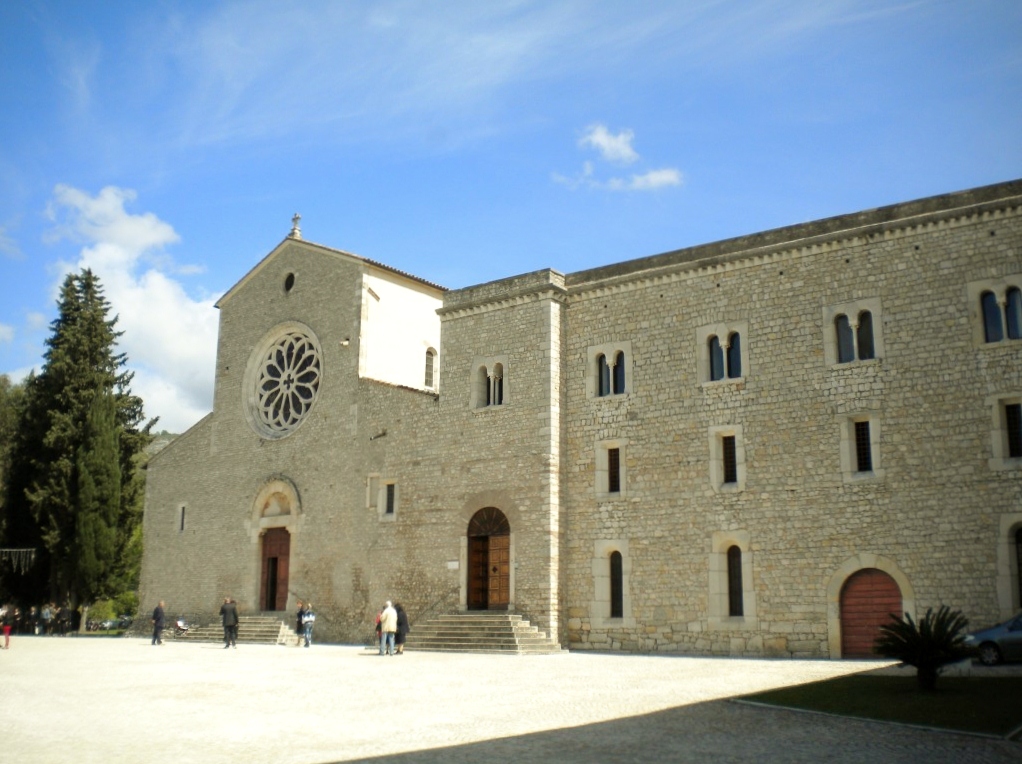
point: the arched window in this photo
(864, 336)
(617, 596)
(993, 331)
(603, 375)
(430, 367)
(716, 359)
(619, 373)
(1013, 311)
(735, 606)
(845, 342)
(485, 398)
(734, 356)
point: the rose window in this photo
(288, 382)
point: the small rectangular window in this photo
(181, 524)
(613, 470)
(729, 457)
(390, 499)
(1013, 424)
(863, 453)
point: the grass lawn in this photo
(991, 705)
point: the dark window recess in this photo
(1013, 309)
(1013, 424)
(735, 603)
(613, 470)
(617, 598)
(619, 373)
(863, 454)
(716, 359)
(484, 380)
(734, 356)
(498, 389)
(730, 458)
(1018, 561)
(603, 375)
(864, 335)
(845, 343)
(390, 499)
(993, 331)
(182, 519)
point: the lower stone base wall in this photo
(714, 643)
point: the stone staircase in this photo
(252, 630)
(480, 632)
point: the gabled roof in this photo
(328, 251)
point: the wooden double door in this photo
(276, 562)
(868, 600)
(489, 561)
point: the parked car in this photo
(998, 643)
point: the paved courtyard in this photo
(100, 700)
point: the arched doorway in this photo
(868, 599)
(489, 560)
(276, 562)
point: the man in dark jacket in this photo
(229, 614)
(158, 623)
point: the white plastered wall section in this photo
(399, 324)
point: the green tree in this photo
(936, 641)
(75, 486)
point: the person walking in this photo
(308, 620)
(388, 625)
(402, 629)
(159, 621)
(229, 616)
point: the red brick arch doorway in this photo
(868, 598)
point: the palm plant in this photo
(936, 641)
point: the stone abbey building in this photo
(760, 446)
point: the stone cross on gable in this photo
(296, 231)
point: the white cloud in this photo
(616, 148)
(649, 181)
(169, 337)
(6, 334)
(612, 148)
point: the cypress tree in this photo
(81, 439)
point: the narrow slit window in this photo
(864, 336)
(613, 470)
(993, 331)
(734, 356)
(845, 342)
(603, 375)
(729, 458)
(389, 508)
(181, 521)
(619, 373)
(1013, 313)
(430, 360)
(1013, 425)
(735, 604)
(863, 454)
(498, 385)
(617, 599)
(716, 359)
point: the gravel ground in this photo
(106, 699)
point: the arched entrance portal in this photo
(489, 560)
(276, 561)
(868, 599)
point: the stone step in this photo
(259, 629)
(480, 633)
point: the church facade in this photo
(760, 446)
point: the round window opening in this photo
(289, 282)
(288, 380)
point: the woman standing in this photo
(402, 629)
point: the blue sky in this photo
(166, 144)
